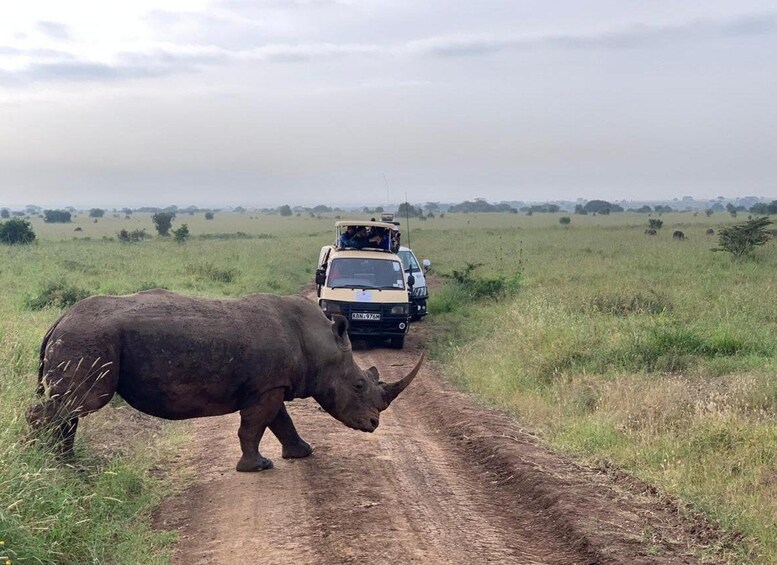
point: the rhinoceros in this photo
(179, 357)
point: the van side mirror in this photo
(320, 276)
(427, 264)
(410, 281)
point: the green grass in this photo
(100, 511)
(656, 355)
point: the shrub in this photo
(181, 234)
(132, 236)
(56, 294)
(16, 232)
(163, 221)
(478, 288)
(96, 213)
(56, 216)
(208, 215)
(655, 223)
(565, 220)
(741, 239)
(212, 272)
(285, 210)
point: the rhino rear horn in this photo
(392, 390)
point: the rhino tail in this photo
(44, 344)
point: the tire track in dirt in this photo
(442, 480)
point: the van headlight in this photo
(401, 309)
(420, 292)
(330, 307)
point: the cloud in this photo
(168, 58)
(84, 71)
(628, 37)
(54, 30)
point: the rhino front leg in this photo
(253, 421)
(294, 447)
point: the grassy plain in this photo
(654, 354)
(100, 511)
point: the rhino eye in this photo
(359, 385)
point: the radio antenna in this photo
(407, 219)
(387, 188)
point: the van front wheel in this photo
(398, 342)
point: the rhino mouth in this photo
(369, 425)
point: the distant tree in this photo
(16, 232)
(764, 208)
(655, 224)
(478, 205)
(239, 210)
(580, 210)
(709, 212)
(5, 213)
(378, 209)
(285, 210)
(208, 216)
(163, 221)
(565, 220)
(406, 209)
(181, 234)
(644, 210)
(56, 216)
(96, 213)
(542, 208)
(717, 207)
(431, 208)
(601, 207)
(741, 239)
(322, 209)
(126, 211)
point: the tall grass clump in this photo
(211, 272)
(466, 287)
(55, 294)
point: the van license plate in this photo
(371, 316)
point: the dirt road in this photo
(442, 480)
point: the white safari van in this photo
(419, 296)
(361, 278)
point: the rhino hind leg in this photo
(253, 422)
(66, 437)
(294, 447)
(68, 391)
(48, 418)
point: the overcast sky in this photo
(269, 102)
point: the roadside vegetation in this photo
(99, 509)
(653, 355)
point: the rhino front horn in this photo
(392, 390)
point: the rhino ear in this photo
(372, 372)
(340, 329)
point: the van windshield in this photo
(408, 262)
(378, 274)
